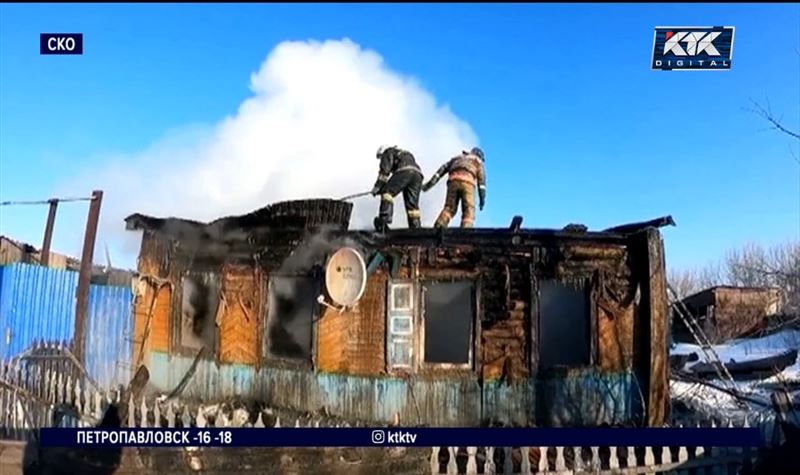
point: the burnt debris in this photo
(641, 226)
(198, 310)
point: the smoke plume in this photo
(317, 113)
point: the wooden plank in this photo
(239, 326)
(650, 325)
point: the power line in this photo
(45, 202)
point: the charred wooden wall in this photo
(350, 376)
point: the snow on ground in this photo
(745, 349)
(716, 403)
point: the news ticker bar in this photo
(406, 437)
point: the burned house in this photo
(460, 327)
(725, 312)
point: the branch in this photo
(765, 270)
(794, 155)
(766, 114)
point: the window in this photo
(400, 323)
(448, 317)
(564, 324)
(199, 306)
(292, 305)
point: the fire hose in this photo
(357, 195)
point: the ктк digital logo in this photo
(61, 43)
(692, 48)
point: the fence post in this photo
(452, 467)
(508, 462)
(613, 458)
(560, 462)
(156, 414)
(525, 462)
(544, 464)
(143, 416)
(186, 418)
(489, 467)
(434, 457)
(649, 459)
(170, 415)
(472, 463)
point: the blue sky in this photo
(576, 127)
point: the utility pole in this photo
(85, 275)
(48, 233)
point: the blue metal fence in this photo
(38, 304)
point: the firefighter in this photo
(398, 172)
(464, 172)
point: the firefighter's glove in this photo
(427, 186)
(482, 196)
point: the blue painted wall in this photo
(584, 397)
(38, 304)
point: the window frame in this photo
(395, 313)
(283, 361)
(176, 323)
(474, 331)
(589, 284)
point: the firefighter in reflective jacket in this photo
(464, 173)
(398, 172)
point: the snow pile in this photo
(714, 399)
(748, 349)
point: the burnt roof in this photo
(296, 214)
(282, 220)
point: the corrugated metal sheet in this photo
(38, 304)
(109, 329)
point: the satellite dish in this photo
(345, 276)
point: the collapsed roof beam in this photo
(636, 227)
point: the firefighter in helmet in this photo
(465, 172)
(398, 172)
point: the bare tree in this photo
(683, 281)
(776, 124)
(750, 266)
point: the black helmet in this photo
(382, 149)
(478, 152)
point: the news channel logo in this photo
(61, 43)
(378, 437)
(692, 48)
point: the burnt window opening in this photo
(290, 319)
(564, 324)
(400, 324)
(449, 311)
(199, 307)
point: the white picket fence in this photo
(594, 460)
(29, 394)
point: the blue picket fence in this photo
(38, 304)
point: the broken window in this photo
(449, 312)
(199, 307)
(564, 324)
(400, 322)
(292, 305)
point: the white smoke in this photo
(317, 114)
